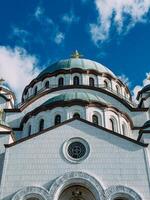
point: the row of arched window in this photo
(76, 81)
(95, 120)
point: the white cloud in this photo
(115, 13)
(38, 12)
(59, 37)
(70, 18)
(137, 88)
(17, 67)
(48, 26)
(124, 79)
(21, 34)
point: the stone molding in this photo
(81, 178)
(31, 191)
(113, 192)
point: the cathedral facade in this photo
(76, 135)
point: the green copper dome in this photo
(147, 124)
(84, 96)
(80, 63)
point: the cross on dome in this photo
(76, 54)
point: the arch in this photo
(95, 119)
(76, 80)
(76, 109)
(31, 191)
(61, 81)
(91, 82)
(114, 192)
(73, 178)
(113, 124)
(41, 125)
(57, 120)
(76, 115)
(46, 84)
(107, 83)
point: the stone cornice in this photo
(109, 93)
(84, 121)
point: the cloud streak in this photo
(123, 15)
(18, 68)
(48, 26)
(70, 18)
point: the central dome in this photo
(81, 63)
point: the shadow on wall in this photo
(108, 136)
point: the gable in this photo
(41, 158)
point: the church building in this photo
(76, 135)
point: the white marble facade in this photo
(76, 135)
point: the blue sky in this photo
(35, 33)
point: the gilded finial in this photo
(76, 54)
(1, 81)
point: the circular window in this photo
(76, 149)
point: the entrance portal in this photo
(76, 192)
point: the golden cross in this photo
(76, 54)
(1, 81)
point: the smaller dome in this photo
(147, 124)
(5, 87)
(85, 96)
(145, 89)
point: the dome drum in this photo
(84, 80)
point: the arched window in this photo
(41, 125)
(95, 119)
(91, 81)
(117, 89)
(113, 125)
(29, 130)
(76, 115)
(124, 129)
(121, 198)
(76, 80)
(60, 81)
(105, 84)
(57, 119)
(47, 84)
(35, 91)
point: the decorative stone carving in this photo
(114, 191)
(31, 191)
(79, 178)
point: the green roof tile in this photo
(80, 63)
(86, 96)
